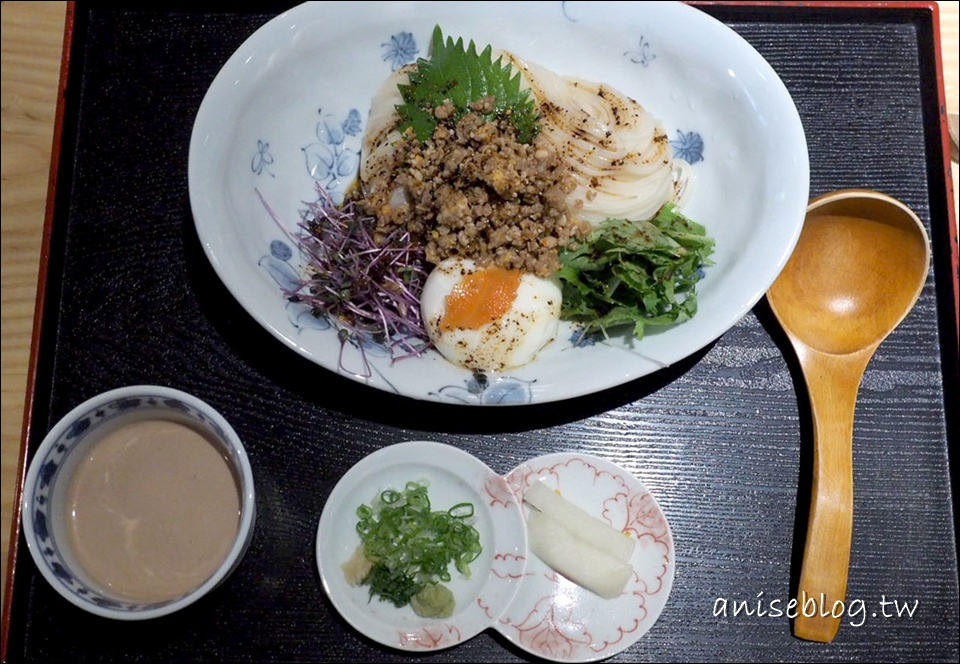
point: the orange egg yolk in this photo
(481, 297)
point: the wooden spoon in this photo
(859, 265)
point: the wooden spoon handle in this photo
(832, 382)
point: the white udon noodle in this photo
(619, 154)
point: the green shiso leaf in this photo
(635, 273)
(464, 76)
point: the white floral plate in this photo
(509, 590)
(287, 112)
(556, 619)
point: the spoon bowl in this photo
(857, 270)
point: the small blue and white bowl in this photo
(47, 481)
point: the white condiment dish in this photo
(452, 476)
(510, 589)
(45, 503)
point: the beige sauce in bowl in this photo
(153, 510)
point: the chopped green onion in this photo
(389, 497)
(461, 511)
(412, 546)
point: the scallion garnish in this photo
(411, 545)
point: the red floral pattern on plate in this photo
(554, 618)
(430, 637)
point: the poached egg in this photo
(489, 318)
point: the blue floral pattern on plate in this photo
(688, 146)
(330, 161)
(481, 389)
(644, 54)
(400, 50)
(277, 264)
(262, 159)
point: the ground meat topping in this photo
(474, 191)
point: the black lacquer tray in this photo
(722, 439)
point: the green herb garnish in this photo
(463, 76)
(635, 273)
(411, 546)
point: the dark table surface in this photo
(722, 439)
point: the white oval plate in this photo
(288, 109)
(454, 476)
(535, 608)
